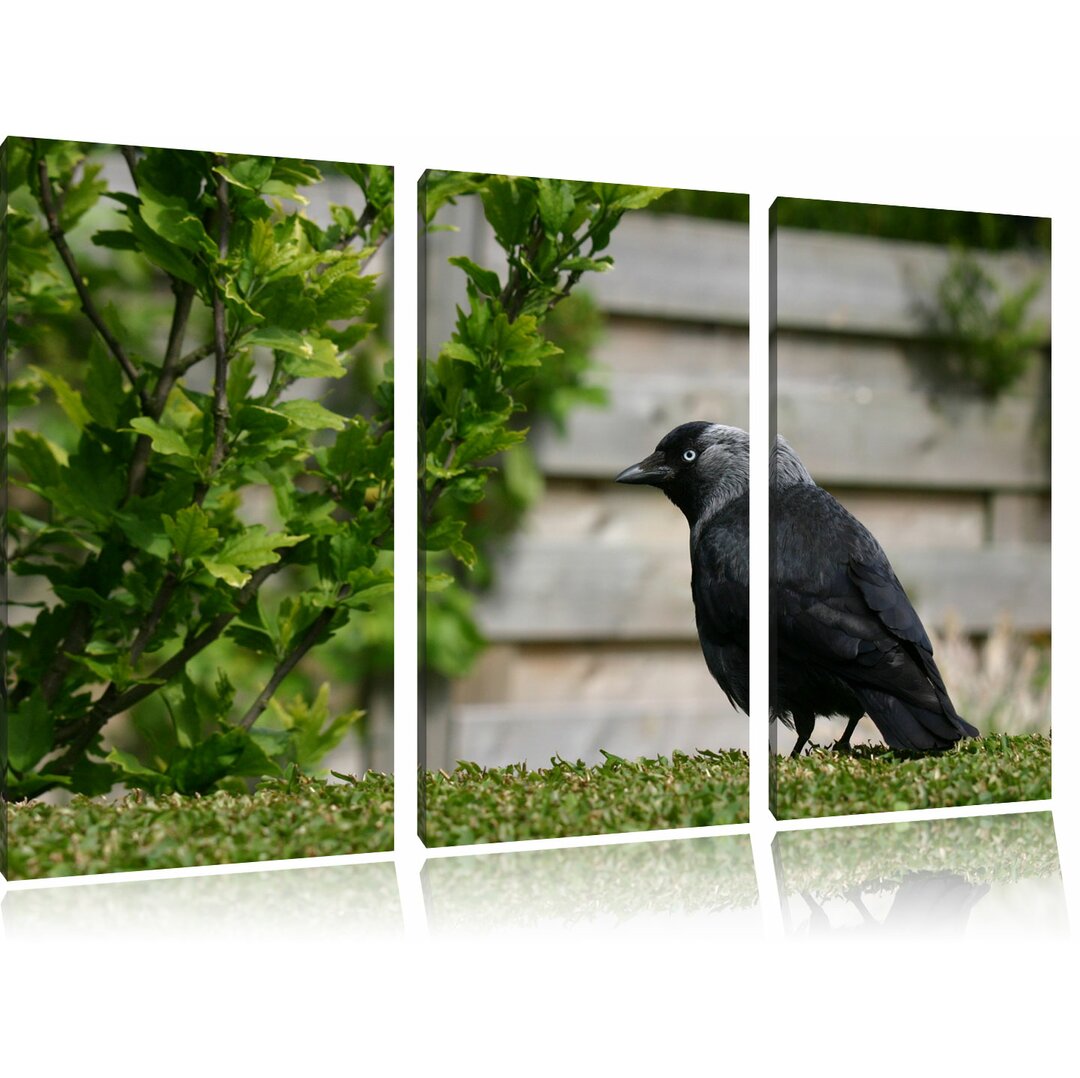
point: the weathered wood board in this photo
(860, 285)
(552, 590)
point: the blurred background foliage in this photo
(947, 228)
(520, 355)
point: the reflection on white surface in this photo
(983, 875)
(669, 886)
(339, 901)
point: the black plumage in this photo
(704, 469)
(848, 640)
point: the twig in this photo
(303, 646)
(56, 234)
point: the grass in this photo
(307, 818)
(981, 771)
(501, 804)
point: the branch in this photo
(303, 646)
(197, 355)
(56, 234)
(157, 611)
(365, 219)
(132, 162)
(374, 251)
(75, 639)
(439, 486)
(140, 458)
(112, 701)
(221, 355)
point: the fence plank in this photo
(497, 734)
(854, 411)
(857, 415)
(855, 284)
(585, 591)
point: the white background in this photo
(924, 104)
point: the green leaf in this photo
(370, 583)
(310, 735)
(163, 439)
(556, 204)
(486, 280)
(165, 255)
(310, 415)
(599, 265)
(30, 733)
(173, 220)
(67, 397)
(115, 239)
(104, 394)
(322, 363)
(91, 778)
(306, 356)
(636, 198)
(249, 173)
(190, 532)
(509, 204)
(196, 770)
(485, 442)
(458, 350)
(232, 576)
(465, 553)
(80, 595)
(252, 549)
(40, 459)
(129, 765)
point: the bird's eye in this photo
(689, 455)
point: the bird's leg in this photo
(844, 744)
(804, 727)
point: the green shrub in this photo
(165, 469)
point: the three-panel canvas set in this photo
(200, 489)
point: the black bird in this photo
(848, 641)
(704, 469)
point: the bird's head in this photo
(699, 466)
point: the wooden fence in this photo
(590, 619)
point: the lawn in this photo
(501, 804)
(979, 771)
(307, 818)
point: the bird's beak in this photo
(652, 471)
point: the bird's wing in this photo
(839, 602)
(719, 557)
(720, 587)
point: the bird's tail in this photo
(917, 729)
